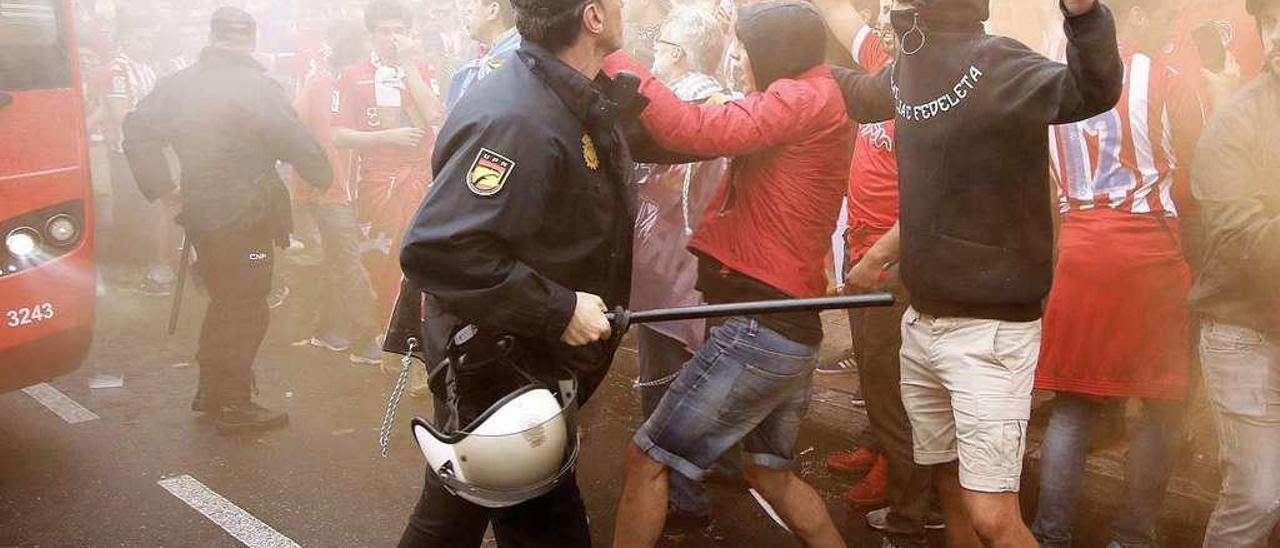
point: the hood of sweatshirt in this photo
(783, 38)
(951, 15)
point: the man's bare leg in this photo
(977, 519)
(642, 511)
(997, 518)
(960, 532)
(797, 504)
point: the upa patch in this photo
(489, 172)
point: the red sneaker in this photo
(872, 490)
(855, 462)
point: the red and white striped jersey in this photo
(131, 80)
(1137, 156)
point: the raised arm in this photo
(760, 121)
(868, 98)
(1088, 84)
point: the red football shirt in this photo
(355, 105)
(873, 173)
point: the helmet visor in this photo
(521, 447)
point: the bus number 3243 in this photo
(29, 315)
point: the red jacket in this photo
(773, 217)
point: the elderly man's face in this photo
(667, 58)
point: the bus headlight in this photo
(61, 229)
(22, 242)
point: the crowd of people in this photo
(1076, 197)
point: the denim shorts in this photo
(747, 384)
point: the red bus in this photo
(47, 272)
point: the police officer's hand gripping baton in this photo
(623, 319)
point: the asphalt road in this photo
(318, 482)
(119, 478)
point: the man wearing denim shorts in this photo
(764, 236)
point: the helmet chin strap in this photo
(455, 356)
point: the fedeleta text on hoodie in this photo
(952, 99)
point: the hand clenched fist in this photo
(588, 323)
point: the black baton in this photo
(181, 283)
(623, 319)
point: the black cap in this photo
(783, 38)
(229, 22)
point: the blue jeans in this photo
(1066, 444)
(1242, 376)
(748, 384)
(347, 301)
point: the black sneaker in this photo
(236, 418)
(843, 366)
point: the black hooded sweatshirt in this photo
(972, 113)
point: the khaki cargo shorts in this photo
(966, 386)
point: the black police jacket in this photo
(228, 123)
(531, 202)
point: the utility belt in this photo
(269, 210)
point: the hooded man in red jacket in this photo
(764, 236)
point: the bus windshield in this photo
(33, 48)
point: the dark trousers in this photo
(556, 519)
(877, 337)
(440, 519)
(234, 264)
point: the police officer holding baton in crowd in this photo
(527, 234)
(229, 125)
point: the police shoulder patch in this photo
(489, 172)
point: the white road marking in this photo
(60, 404)
(231, 518)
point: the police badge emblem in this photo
(489, 172)
(589, 153)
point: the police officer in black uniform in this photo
(229, 125)
(527, 233)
